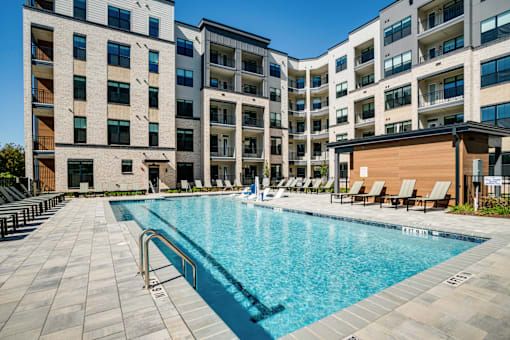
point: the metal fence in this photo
(7, 182)
(502, 191)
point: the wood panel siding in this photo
(47, 174)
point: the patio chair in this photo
(279, 194)
(228, 185)
(28, 208)
(305, 185)
(27, 193)
(16, 196)
(198, 185)
(438, 194)
(354, 190)
(316, 185)
(38, 204)
(237, 183)
(328, 186)
(376, 191)
(219, 184)
(184, 185)
(280, 184)
(207, 185)
(406, 192)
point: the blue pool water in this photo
(268, 273)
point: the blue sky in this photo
(301, 28)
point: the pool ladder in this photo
(144, 253)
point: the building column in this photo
(498, 168)
(239, 141)
(337, 172)
(239, 67)
(308, 126)
(206, 139)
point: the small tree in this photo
(12, 160)
(267, 171)
(324, 168)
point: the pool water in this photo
(268, 273)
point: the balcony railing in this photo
(321, 156)
(253, 68)
(44, 143)
(438, 51)
(448, 14)
(41, 4)
(317, 83)
(320, 106)
(295, 156)
(441, 97)
(297, 113)
(227, 119)
(42, 96)
(296, 132)
(364, 115)
(252, 90)
(364, 58)
(320, 133)
(223, 60)
(253, 122)
(224, 86)
(275, 124)
(252, 153)
(296, 85)
(223, 152)
(43, 53)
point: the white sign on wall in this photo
(493, 180)
(363, 172)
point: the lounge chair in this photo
(237, 183)
(315, 186)
(27, 193)
(305, 185)
(184, 185)
(438, 194)
(49, 199)
(27, 208)
(328, 186)
(198, 185)
(84, 188)
(228, 185)
(207, 184)
(354, 190)
(375, 192)
(280, 184)
(406, 192)
(219, 184)
(41, 203)
(279, 194)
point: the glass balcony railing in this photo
(222, 152)
(365, 57)
(447, 14)
(442, 96)
(253, 68)
(222, 60)
(253, 122)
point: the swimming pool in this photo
(267, 273)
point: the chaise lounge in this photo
(438, 194)
(406, 192)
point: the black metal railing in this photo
(296, 156)
(253, 122)
(253, 153)
(253, 68)
(320, 106)
(42, 96)
(364, 115)
(441, 96)
(223, 60)
(365, 58)
(44, 143)
(43, 53)
(228, 119)
(316, 83)
(41, 4)
(222, 152)
(252, 90)
(296, 85)
(437, 53)
(223, 86)
(448, 14)
(275, 124)
(485, 191)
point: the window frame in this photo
(276, 146)
(184, 79)
(184, 48)
(493, 78)
(341, 63)
(154, 135)
(184, 102)
(152, 22)
(274, 70)
(77, 131)
(126, 166)
(111, 123)
(275, 94)
(76, 89)
(120, 11)
(396, 101)
(183, 143)
(397, 64)
(275, 120)
(118, 85)
(118, 59)
(81, 162)
(343, 91)
(154, 66)
(153, 97)
(495, 32)
(496, 114)
(404, 29)
(343, 118)
(398, 127)
(79, 53)
(79, 8)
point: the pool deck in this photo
(73, 274)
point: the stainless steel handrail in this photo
(140, 246)
(170, 245)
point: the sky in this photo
(303, 29)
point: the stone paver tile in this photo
(100, 303)
(65, 334)
(145, 321)
(159, 335)
(102, 320)
(459, 329)
(62, 318)
(6, 309)
(17, 323)
(28, 335)
(101, 333)
(496, 329)
(305, 334)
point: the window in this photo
(341, 89)
(300, 83)
(153, 97)
(154, 61)
(276, 145)
(80, 130)
(300, 126)
(341, 63)
(300, 105)
(274, 94)
(341, 116)
(79, 47)
(454, 119)
(276, 171)
(127, 166)
(367, 80)
(184, 140)
(80, 88)
(119, 55)
(397, 31)
(275, 120)
(251, 89)
(398, 127)
(316, 104)
(453, 44)
(398, 97)
(118, 93)
(154, 27)
(185, 171)
(300, 150)
(496, 71)
(153, 134)
(184, 77)
(454, 86)
(367, 111)
(495, 27)
(119, 18)
(316, 125)
(118, 132)
(80, 9)
(274, 70)
(341, 137)
(80, 171)
(498, 115)
(213, 82)
(317, 149)
(184, 47)
(397, 64)
(184, 108)
(316, 81)
(300, 172)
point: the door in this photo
(214, 144)
(432, 94)
(432, 53)
(225, 146)
(214, 172)
(225, 173)
(432, 20)
(154, 179)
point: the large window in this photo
(317, 149)
(275, 120)
(79, 47)
(454, 119)
(367, 80)
(274, 70)
(276, 171)
(398, 97)
(317, 125)
(276, 145)
(80, 9)
(496, 71)
(153, 97)
(300, 105)
(398, 127)
(316, 104)
(80, 130)
(80, 88)
(300, 150)
(154, 27)
(184, 47)
(275, 94)
(495, 27)
(184, 108)
(397, 64)
(341, 116)
(341, 89)
(341, 137)
(153, 134)
(118, 132)
(119, 55)
(118, 93)
(454, 86)
(119, 18)
(453, 44)
(153, 61)
(184, 77)
(127, 166)
(184, 140)
(368, 110)
(341, 63)
(498, 115)
(80, 171)
(185, 172)
(397, 31)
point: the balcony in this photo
(253, 122)
(364, 58)
(321, 134)
(42, 53)
(298, 135)
(227, 152)
(222, 119)
(443, 98)
(253, 153)
(41, 4)
(297, 156)
(318, 85)
(222, 60)
(437, 52)
(253, 68)
(319, 157)
(365, 81)
(437, 20)
(42, 96)
(44, 143)
(297, 112)
(365, 118)
(251, 89)
(297, 86)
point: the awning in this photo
(156, 160)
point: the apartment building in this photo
(119, 92)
